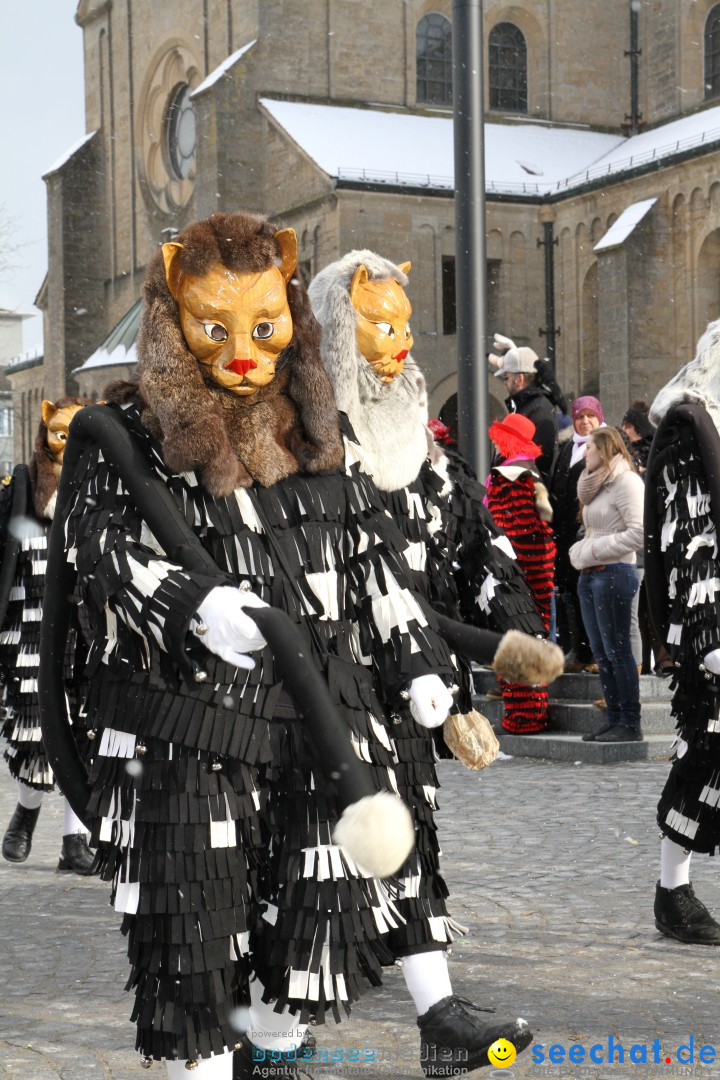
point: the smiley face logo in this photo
(501, 1054)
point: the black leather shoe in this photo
(250, 1063)
(680, 915)
(454, 1040)
(592, 735)
(76, 855)
(621, 733)
(17, 840)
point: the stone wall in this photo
(77, 265)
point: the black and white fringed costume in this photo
(26, 527)
(461, 561)
(682, 571)
(214, 818)
(27, 506)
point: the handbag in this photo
(471, 739)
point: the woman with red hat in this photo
(518, 501)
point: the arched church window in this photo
(433, 57)
(712, 53)
(508, 68)
(181, 132)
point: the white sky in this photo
(42, 112)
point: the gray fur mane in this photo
(389, 419)
(698, 382)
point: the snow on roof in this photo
(620, 230)
(522, 157)
(102, 358)
(394, 147)
(119, 346)
(68, 154)
(672, 138)
(222, 68)
(26, 359)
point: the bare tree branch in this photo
(10, 247)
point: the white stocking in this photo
(427, 978)
(29, 797)
(265, 1023)
(73, 824)
(674, 864)
(217, 1067)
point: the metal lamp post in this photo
(470, 262)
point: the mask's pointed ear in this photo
(287, 241)
(48, 411)
(405, 267)
(359, 279)
(171, 251)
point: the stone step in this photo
(578, 717)
(582, 687)
(564, 747)
(489, 707)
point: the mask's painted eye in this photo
(386, 328)
(263, 331)
(215, 331)
(61, 436)
(408, 331)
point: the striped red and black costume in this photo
(513, 495)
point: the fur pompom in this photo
(542, 502)
(529, 661)
(377, 833)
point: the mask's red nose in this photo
(401, 355)
(241, 367)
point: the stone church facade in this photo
(182, 120)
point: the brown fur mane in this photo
(287, 426)
(43, 482)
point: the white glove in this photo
(430, 700)
(712, 662)
(225, 629)
(501, 344)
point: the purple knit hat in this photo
(587, 404)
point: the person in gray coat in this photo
(611, 495)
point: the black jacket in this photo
(531, 402)
(640, 452)
(566, 520)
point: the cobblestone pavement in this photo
(552, 867)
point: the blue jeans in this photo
(606, 598)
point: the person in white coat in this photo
(611, 495)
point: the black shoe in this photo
(76, 855)
(250, 1062)
(452, 1039)
(592, 735)
(621, 733)
(17, 840)
(680, 915)
(664, 671)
